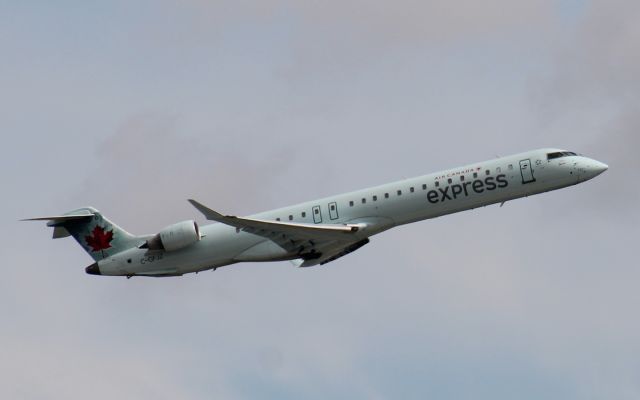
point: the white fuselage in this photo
(378, 209)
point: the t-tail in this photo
(97, 235)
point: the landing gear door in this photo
(526, 171)
(317, 214)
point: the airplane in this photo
(319, 231)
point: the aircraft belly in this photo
(264, 251)
(217, 248)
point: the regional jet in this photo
(319, 231)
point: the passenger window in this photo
(277, 219)
(399, 192)
(316, 211)
(488, 172)
(375, 198)
(498, 169)
(424, 186)
(411, 189)
(333, 207)
(475, 175)
(449, 180)
(510, 166)
(304, 214)
(386, 195)
(461, 178)
(364, 200)
(290, 217)
(351, 203)
(437, 183)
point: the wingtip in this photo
(206, 211)
(197, 204)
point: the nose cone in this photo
(597, 167)
(589, 169)
(93, 269)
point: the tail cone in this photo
(93, 269)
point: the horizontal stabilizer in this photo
(58, 219)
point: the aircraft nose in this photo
(93, 269)
(597, 167)
(589, 169)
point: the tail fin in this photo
(96, 234)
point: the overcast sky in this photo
(133, 107)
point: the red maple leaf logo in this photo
(99, 239)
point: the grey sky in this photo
(133, 108)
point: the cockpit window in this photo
(558, 154)
(551, 156)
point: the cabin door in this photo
(526, 171)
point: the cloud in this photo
(592, 90)
(333, 41)
(147, 169)
(377, 20)
(55, 368)
(597, 64)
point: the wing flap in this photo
(330, 254)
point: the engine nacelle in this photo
(175, 237)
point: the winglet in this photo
(207, 212)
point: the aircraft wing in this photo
(293, 237)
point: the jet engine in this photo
(175, 237)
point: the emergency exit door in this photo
(526, 171)
(317, 214)
(333, 210)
